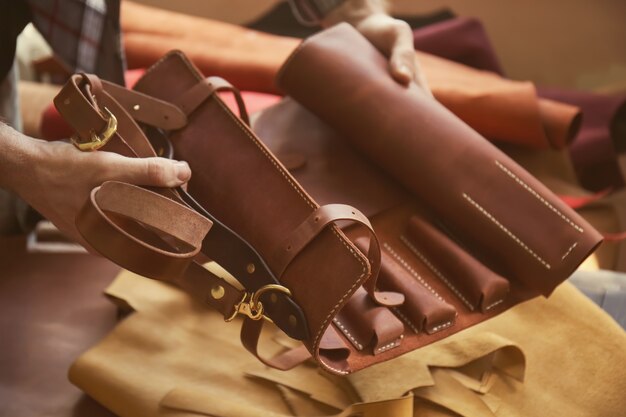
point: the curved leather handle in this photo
(105, 223)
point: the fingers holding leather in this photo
(402, 63)
(156, 172)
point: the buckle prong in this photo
(97, 141)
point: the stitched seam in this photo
(405, 319)
(349, 292)
(540, 198)
(571, 248)
(334, 228)
(505, 230)
(345, 331)
(411, 270)
(492, 305)
(387, 346)
(442, 326)
(272, 160)
(339, 371)
(437, 272)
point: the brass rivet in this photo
(250, 268)
(293, 320)
(273, 298)
(217, 292)
(136, 107)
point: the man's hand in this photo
(56, 178)
(393, 37)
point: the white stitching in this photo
(410, 269)
(345, 331)
(571, 248)
(540, 198)
(505, 230)
(437, 272)
(363, 275)
(339, 371)
(442, 326)
(272, 160)
(334, 228)
(492, 305)
(387, 346)
(349, 292)
(405, 319)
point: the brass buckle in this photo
(98, 140)
(251, 306)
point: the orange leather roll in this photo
(499, 109)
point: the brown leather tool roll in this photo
(484, 198)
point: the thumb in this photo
(155, 172)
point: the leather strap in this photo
(162, 245)
(313, 226)
(199, 93)
(76, 104)
(147, 109)
(81, 103)
(104, 223)
(250, 335)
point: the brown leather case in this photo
(474, 230)
(476, 191)
(465, 233)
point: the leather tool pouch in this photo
(468, 235)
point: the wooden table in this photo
(51, 310)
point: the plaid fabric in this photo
(84, 34)
(310, 12)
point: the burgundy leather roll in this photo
(483, 196)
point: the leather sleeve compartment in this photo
(423, 309)
(391, 226)
(367, 326)
(477, 286)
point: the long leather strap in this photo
(314, 224)
(158, 234)
(81, 102)
(156, 237)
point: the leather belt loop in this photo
(313, 226)
(199, 93)
(76, 104)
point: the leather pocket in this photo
(367, 325)
(478, 287)
(423, 309)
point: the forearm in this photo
(16, 155)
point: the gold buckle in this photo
(98, 141)
(251, 306)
